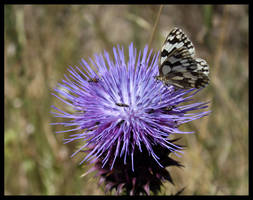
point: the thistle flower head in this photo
(121, 110)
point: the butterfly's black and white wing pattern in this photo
(177, 65)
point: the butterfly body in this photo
(177, 65)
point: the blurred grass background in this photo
(42, 40)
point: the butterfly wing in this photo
(183, 71)
(177, 65)
(176, 40)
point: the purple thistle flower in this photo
(122, 113)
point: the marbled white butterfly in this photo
(177, 65)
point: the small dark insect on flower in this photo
(121, 122)
(149, 111)
(128, 147)
(169, 108)
(122, 105)
(95, 80)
